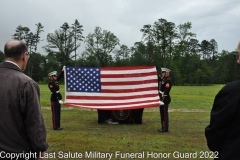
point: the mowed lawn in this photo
(83, 138)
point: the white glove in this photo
(63, 69)
(161, 92)
(60, 102)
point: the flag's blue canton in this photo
(83, 79)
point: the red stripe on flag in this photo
(128, 82)
(128, 75)
(126, 68)
(116, 104)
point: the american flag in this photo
(111, 88)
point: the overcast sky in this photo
(211, 19)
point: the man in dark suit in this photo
(223, 132)
(22, 126)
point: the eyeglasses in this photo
(236, 56)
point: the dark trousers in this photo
(137, 115)
(103, 115)
(164, 117)
(56, 113)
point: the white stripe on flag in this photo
(110, 94)
(111, 101)
(126, 79)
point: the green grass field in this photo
(188, 115)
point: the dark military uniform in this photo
(165, 86)
(55, 105)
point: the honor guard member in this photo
(56, 98)
(165, 85)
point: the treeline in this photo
(163, 44)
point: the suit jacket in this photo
(21, 122)
(223, 132)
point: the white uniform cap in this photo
(53, 73)
(165, 70)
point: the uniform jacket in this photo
(21, 123)
(223, 132)
(54, 88)
(165, 86)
